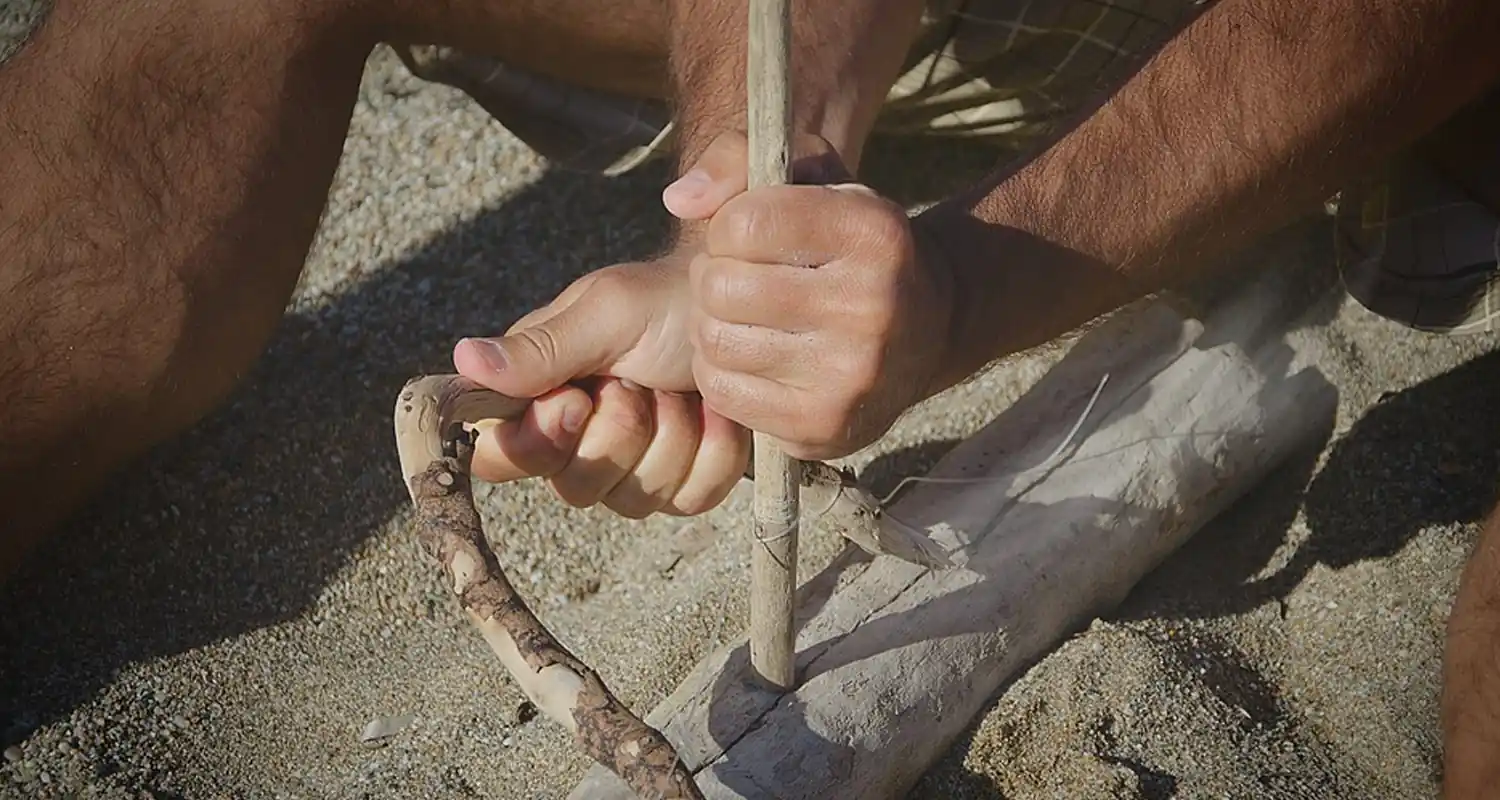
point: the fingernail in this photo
(574, 417)
(691, 185)
(630, 384)
(491, 352)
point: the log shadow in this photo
(1421, 457)
(1424, 456)
(168, 558)
(1215, 572)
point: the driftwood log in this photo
(895, 661)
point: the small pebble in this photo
(12, 754)
(180, 721)
(384, 727)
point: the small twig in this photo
(1046, 462)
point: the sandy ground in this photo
(232, 614)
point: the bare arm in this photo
(845, 55)
(1258, 110)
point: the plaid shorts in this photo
(1413, 247)
(997, 70)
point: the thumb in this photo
(718, 175)
(722, 172)
(531, 361)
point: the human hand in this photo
(615, 418)
(818, 316)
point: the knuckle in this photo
(742, 225)
(825, 429)
(858, 375)
(540, 339)
(609, 280)
(808, 451)
(703, 499)
(874, 309)
(723, 288)
(694, 506)
(538, 457)
(887, 227)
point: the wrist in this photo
(1014, 287)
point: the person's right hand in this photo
(617, 419)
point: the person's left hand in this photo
(818, 319)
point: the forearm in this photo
(1471, 675)
(1256, 112)
(845, 56)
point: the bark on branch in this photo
(435, 451)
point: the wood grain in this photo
(773, 563)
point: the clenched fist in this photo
(818, 317)
(616, 420)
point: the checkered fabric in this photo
(1000, 70)
(1412, 248)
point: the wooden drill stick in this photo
(773, 561)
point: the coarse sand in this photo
(232, 613)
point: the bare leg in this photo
(166, 166)
(1471, 676)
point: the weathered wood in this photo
(898, 660)
(773, 561)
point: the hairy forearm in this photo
(1471, 675)
(845, 55)
(1256, 112)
